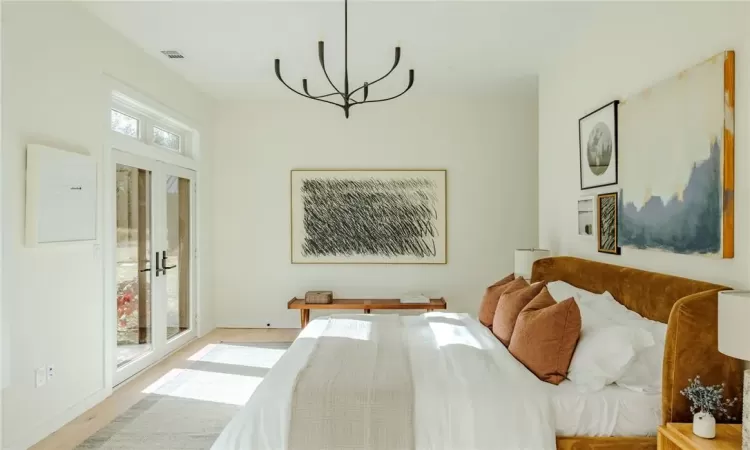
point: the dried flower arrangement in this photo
(708, 399)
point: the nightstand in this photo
(679, 436)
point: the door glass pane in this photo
(133, 218)
(177, 263)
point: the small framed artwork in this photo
(597, 145)
(607, 221)
(586, 217)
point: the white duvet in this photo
(469, 392)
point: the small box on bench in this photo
(321, 297)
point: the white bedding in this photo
(613, 411)
(469, 392)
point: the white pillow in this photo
(560, 290)
(644, 374)
(605, 351)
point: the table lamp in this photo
(734, 341)
(524, 260)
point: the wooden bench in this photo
(365, 304)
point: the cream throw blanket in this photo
(356, 391)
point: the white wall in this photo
(626, 49)
(488, 147)
(55, 92)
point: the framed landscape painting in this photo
(368, 217)
(597, 147)
(677, 186)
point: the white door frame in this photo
(117, 90)
(161, 347)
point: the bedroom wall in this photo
(488, 147)
(626, 49)
(57, 60)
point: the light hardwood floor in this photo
(128, 394)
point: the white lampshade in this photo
(734, 332)
(525, 258)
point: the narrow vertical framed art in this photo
(607, 210)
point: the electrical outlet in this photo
(40, 375)
(50, 372)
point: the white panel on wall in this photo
(60, 196)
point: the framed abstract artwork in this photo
(597, 147)
(607, 210)
(368, 216)
(677, 184)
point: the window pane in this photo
(133, 218)
(177, 257)
(125, 124)
(166, 139)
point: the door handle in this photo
(158, 269)
(164, 266)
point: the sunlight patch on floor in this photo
(207, 386)
(239, 355)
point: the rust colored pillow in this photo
(489, 301)
(545, 336)
(505, 280)
(509, 306)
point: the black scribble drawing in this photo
(608, 223)
(373, 217)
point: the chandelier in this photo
(346, 95)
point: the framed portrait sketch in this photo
(368, 217)
(597, 145)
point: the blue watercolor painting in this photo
(672, 164)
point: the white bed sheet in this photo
(613, 411)
(470, 393)
(263, 423)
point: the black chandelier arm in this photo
(411, 83)
(314, 97)
(396, 60)
(322, 59)
(278, 75)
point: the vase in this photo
(704, 425)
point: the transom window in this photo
(139, 122)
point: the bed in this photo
(465, 390)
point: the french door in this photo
(154, 211)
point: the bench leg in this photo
(367, 311)
(304, 317)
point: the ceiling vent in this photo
(172, 54)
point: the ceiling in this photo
(455, 47)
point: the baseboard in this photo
(61, 420)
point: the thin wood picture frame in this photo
(607, 216)
(599, 128)
(304, 251)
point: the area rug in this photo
(188, 407)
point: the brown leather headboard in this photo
(690, 309)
